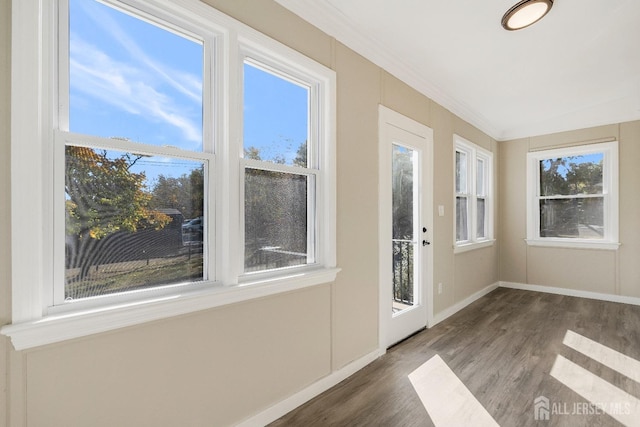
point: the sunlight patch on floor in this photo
(617, 403)
(610, 358)
(447, 400)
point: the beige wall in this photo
(609, 272)
(220, 366)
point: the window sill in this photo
(457, 249)
(60, 327)
(605, 246)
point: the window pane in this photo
(403, 200)
(480, 178)
(461, 172)
(124, 221)
(481, 215)
(402, 193)
(276, 118)
(571, 175)
(133, 80)
(462, 233)
(572, 218)
(275, 219)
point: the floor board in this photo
(503, 348)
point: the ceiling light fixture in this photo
(525, 13)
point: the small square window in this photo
(573, 195)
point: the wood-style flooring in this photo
(503, 348)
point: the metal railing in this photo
(403, 271)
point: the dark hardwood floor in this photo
(503, 348)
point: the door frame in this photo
(390, 118)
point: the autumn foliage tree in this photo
(104, 196)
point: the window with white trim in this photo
(572, 196)
(134, 123)
(473, 195)
(280, 177)
(182, 159)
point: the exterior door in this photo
(405, 226)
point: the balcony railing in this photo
(403, 271)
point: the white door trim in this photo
(389, 118)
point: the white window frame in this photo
(179, 23)
(35, 219)
(610, 196)
(473, 154)
(268, 61)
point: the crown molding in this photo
(330, 20)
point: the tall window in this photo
(280, 175)
(131, 126)
(473, 204)
(573, 195)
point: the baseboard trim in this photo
(572, 293)
(289, 404)
(448, 312)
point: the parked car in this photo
(193, 225)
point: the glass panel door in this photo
(406, 257)
(404, 198)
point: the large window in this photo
(280, 176)
(573, 196)
(132, 91)
(473, 203)
(177, 160)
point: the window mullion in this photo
(570, 196)
(55, 295)
(473, 199)
(230, 259)
(212, 135)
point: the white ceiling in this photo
(576, 68)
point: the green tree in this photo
(402, 194)
(252, 153)
(301, 156)
(571, 175)
(103, 196)
(584, 178)
(185, 193)
(275, 215)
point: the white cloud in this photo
(127, 87)
(188, 84)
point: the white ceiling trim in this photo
(330, 20)
(590, 116)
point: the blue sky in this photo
(275, 114)
(131, 79)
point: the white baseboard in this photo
(287, 405)
(572, 292)
(462, 304)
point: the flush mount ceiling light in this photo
(525, 13)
